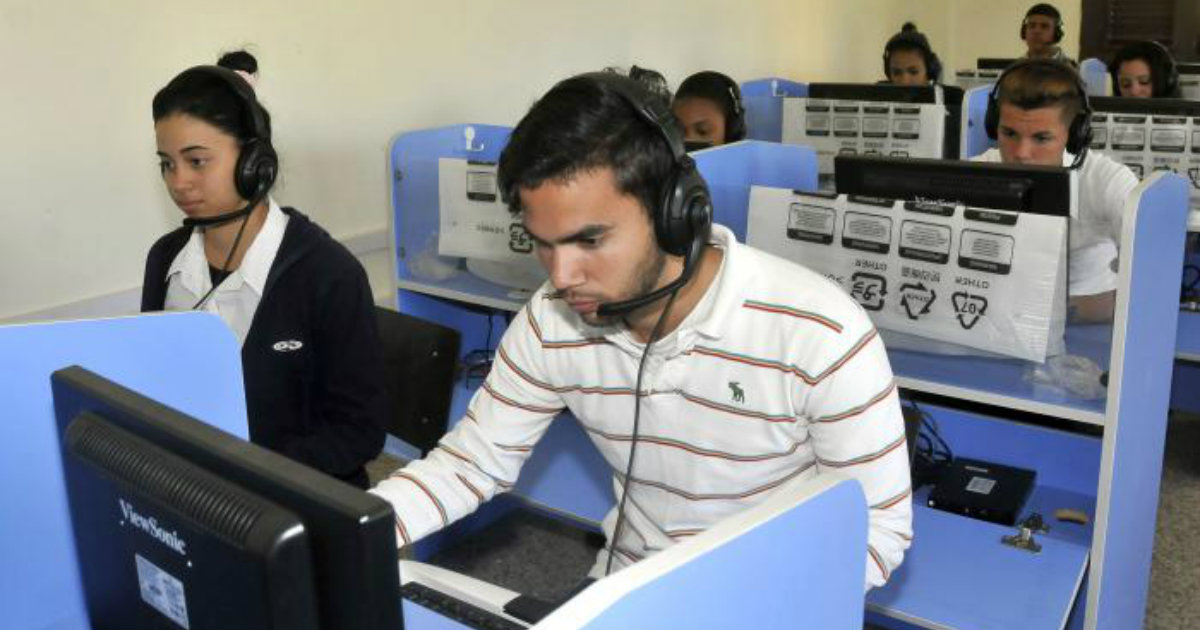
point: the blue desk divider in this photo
(189, 361)
(1095, 76)
(414, 162)
(794, 561)
(732, 169)
(1138, 397)
(974, 135)
(763, 102)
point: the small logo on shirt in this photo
(289, 345)
(735, 392)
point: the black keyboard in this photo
(456, 609)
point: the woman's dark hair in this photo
(212, 96)
(909, 38)
(239, 60)
(721, 90)
(1164, 75)
(580, 125)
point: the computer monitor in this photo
(948, 95)
(1024, 188)
(178, 524)
(994, 63)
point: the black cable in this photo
(487, 344)
(1190, 291)
(225, 267)
(637, 412)
(931, 453)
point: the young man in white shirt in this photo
(732, 371)
(1038, 115)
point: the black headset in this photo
(1164, 72)
(1048, 11)
(1079, 134)
(682, 224)
(683, 218)
(905, 40)
(257, 164)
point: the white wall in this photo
(79, 191)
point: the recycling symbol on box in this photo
(869, 289)
(969, 308)
(916, 299)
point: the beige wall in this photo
(79, 191)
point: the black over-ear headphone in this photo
(906, 40)
(1079, 133)
(1169, 70)
(258, 164)
(1048, 11)
(683, 218)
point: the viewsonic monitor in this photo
(180, 525)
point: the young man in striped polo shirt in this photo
(761, 372)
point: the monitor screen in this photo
(178, 524)
(994, 63)
(1038, 189)
(1175, 107)
(882, 92)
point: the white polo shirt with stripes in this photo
(776, 374)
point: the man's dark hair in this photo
(580, 125)
(1044, 83)
(1045, 9)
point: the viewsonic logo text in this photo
(149, 525)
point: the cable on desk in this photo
(932, 454)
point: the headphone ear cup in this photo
(686, 211)
(991, 118)
(1058, 31)
(670, 228)
(1172, 87)
(256, 169)
(933, 67)
(1079, 137)
(1171, 70)
(1023, 30)
(736, 126)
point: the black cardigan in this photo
(320, 402)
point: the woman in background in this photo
(709, 106)
(297, 300)
(909, 60)
(1144, 69)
